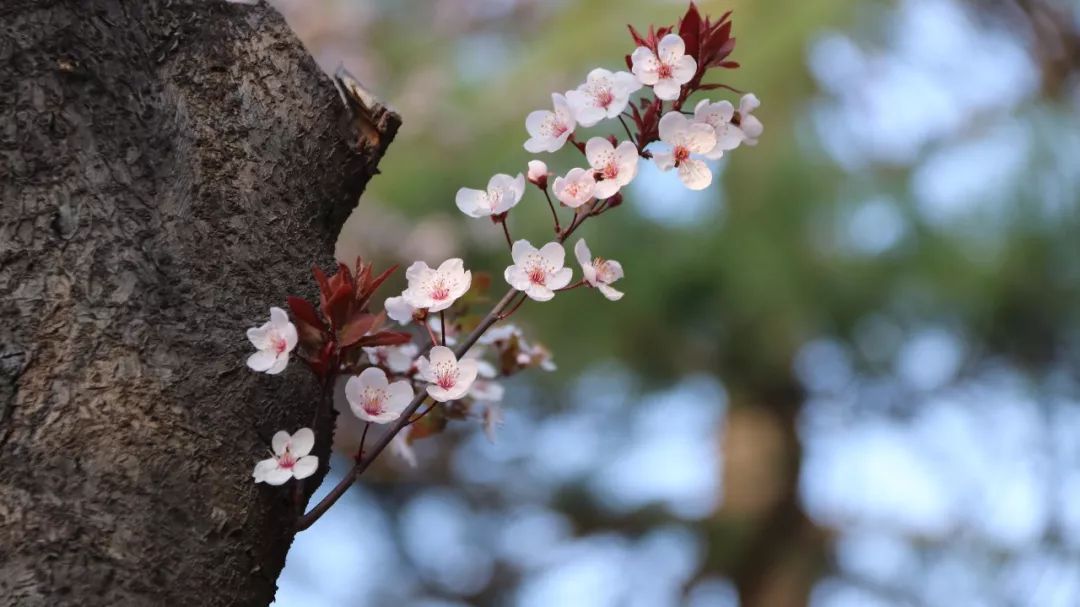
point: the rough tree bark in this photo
(168, 170)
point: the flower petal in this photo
(684, 69)
(261, 361)
(441, 355)
(672, 126)
(278, 318)
(305, 466)
(645, 65)
(473, 203)
(263, 468)
(521, 251)
(554, 254)
(302, 441)
(560, 278)
(280, 362)
(666, 89)
(517, 278)
(671, 48)
(259, 336)
(695, 174)
(700, 138)
(611, 293)
(400, 394)
(599, 151)
(605, 188)
(539, 292)
(279, 441)
(372, 377)
(277, 476)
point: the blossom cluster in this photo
(440, 350)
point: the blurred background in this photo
(844, 375)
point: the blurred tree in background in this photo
(881, 298)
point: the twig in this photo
(360, 466)
(625, 128)
(506, 231)
(363, 438)
(554, 215)
(422, 414)
(442, 325)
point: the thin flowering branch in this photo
(396, 376)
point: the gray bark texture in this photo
(168, 171)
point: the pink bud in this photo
(538, 173)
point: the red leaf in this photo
(305, 312)
(731, 65)
(324, 285)
(386, 338)
(337, 307)
(355, 329)
(629, 63)
(637, 37)
(690, 30)
(374, 283)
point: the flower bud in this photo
(538, 173)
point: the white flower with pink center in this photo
(398, 359)
(502, 194)
(290, 458)
(614, 166)
(576, 188)
(598, 272)
(718, 115)
(274, 341)
(538, 272)
(374, 399)
(603, 95)
(398, 309)
(449, 378)
(549, 130)
(667, 69)
(687, 140)
(436, 290)
(750, 125)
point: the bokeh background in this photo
(844, 375)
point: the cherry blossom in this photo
(436, 290)
(398, 309)
(502, 194)
(449, 377)
(274, 341)
(686, 138)
(374, 399)
(290, 460)
(718, 115)
(599, 272)
(548, 129)
(576, 188)
(538, 272)
(603, 95)
(398, 359)
(538, 173)
(749, 124)
(615, 166)
(665, 70)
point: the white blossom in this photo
(436, 290)
(374, 399)
(665, 70)
(538, 272)
(599, 272)
(274, 341)
(686, 138)
(449, 377)
(398, 309)
(398, 359)
(538, 173)
(616, 166)
(548, 129)
(603, 95)
(718, 115)
(290, 460)
(576, 188)
(749, 123)
(502, 194)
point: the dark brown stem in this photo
(626, 128)
(363, 439)
(573, 286)
(510, 312)
(554, 215)
(422, 414)
(506, 232)
(442, 323)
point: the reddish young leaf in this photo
(638, 40)
(305, 312)
(355, 329)
(337, 307)
(690, 30)
(386, 338)
(324, 284)
(374, 283)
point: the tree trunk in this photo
(168, 171)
